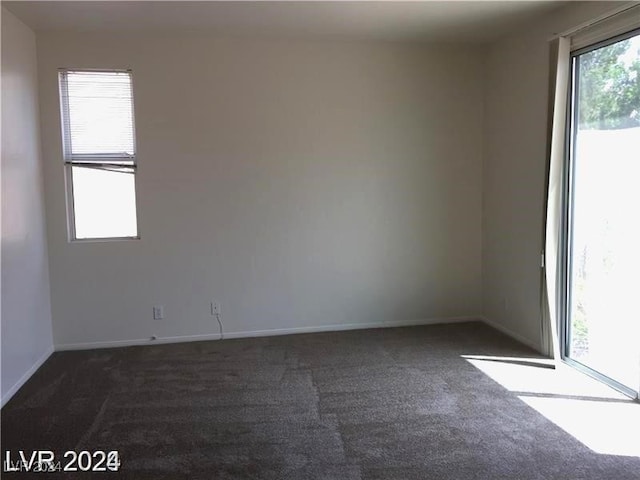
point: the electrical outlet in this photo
(158, 312)
(215, 308)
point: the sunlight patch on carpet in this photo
(601, 418)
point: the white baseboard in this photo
(27, 375)
(262, 333)
(135, 342)
(348, 326)
(512, 334)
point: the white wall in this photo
(26, 315)
(515, 129)
(300, 183)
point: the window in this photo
(601, 329)
(99, 153)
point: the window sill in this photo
(102, 240)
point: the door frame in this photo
(568, 182)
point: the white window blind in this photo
(97, 116)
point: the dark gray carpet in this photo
(370, 404)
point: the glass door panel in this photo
(603, 317)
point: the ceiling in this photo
(466, 21)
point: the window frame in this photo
(98, 161)
(568, 185)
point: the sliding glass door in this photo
(602, 321)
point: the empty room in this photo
(320, 240)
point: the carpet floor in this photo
(381, 404)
